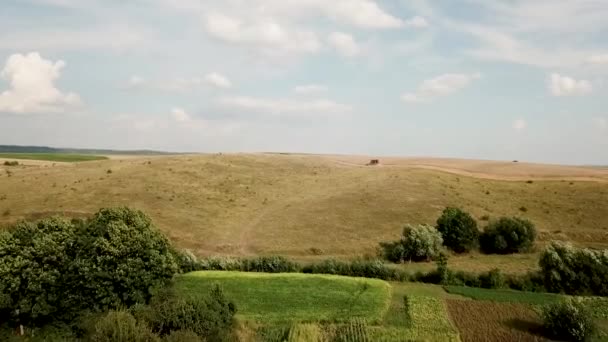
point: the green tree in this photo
(508, 235)
(458, 229)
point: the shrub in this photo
(182, 336)
(186, 261)
(421, 242)
(121, 326)
(271, 264)
(508, 235)
(458, 229)
(577, 271)
(493, 279)
(569, 319)
(11, 163)
(211, 317)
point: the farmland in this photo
(311, 207)
(53, 157)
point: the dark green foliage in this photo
(493, 279)
(120, 259)
(442, 268)
(272, 264)
(211, 317)
(577, 271)
(182, 336)
(568, 320)
(56, 268)
(531, 282)
(34, 267)
(357, 268)
(458, 229)
(508, 235)
(121, 326)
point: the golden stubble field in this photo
(309, 206)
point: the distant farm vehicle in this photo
(374, 162)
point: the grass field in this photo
(314, 207)
(272, 298)
(509, 296)
(56, 157)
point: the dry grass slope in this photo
(306, 205)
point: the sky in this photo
(483, 79)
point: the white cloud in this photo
(114, 38)
(218, 80)
(565, 86)
(262, 33)
(32, 86)
(360, 13)
(598, 59)
(442, 85)
(178, 84)
(285, 106)
(416, 22)
(520, 124)
(344, 43)
(180, 115)
(310, 89)
(602, 123)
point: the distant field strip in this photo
(509, 296)
(275, 298)
(58, 157)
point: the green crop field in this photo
(509, 296)
(272, 298)
(56, 157)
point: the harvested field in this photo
(491, 321)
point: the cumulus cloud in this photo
(565, 86)
(218, 80)
(442, 85)
(285, 106)
(267, 34)
(178, 84)
(32, 87)
(360, 13)
(180, 115)
(344, 44)
(520, 124)
(310, 89)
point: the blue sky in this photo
(490, 79)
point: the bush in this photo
(508, 235)
(493, 279)
(421, 242)
(182, 336)
(458, 229)
(186, 261)
(121, 326)
(211, 318)
(272, 264)
(11, 163)
(577, 271)
(569, 319)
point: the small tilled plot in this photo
(492, 321)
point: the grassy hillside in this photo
(58, 157)
(310, 206)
